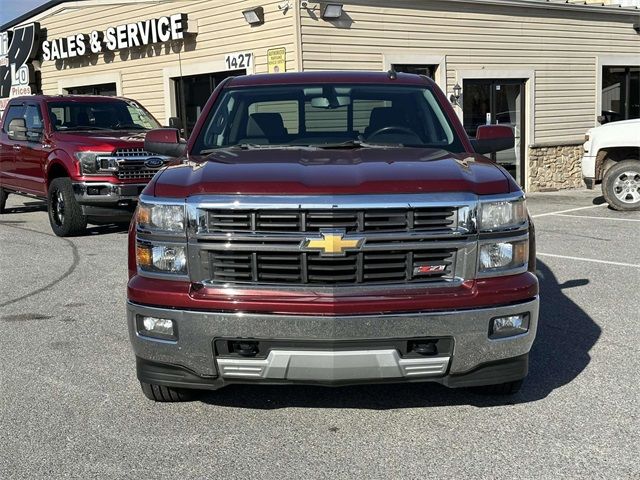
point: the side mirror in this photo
(165, 141)
(17, 129)
(493, 138)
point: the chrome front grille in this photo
(136, 173)
(129, 164)
(289, 241)
(132, 152)
(312, 268)
(365, 220)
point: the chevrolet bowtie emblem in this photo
(333, 243)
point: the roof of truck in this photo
(72, 98)
(331, 77)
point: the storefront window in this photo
(192, 93)
(421, 69)
(105, 89)
(620, 93)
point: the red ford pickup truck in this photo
(330, 228)
(84, 154)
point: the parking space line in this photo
(592, 260)
(567, 211)
(600, 218)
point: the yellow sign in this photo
(277, 60)
(333, 244)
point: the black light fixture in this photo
(254, 16)
(330, 11)
(636, 27)
(455, 98)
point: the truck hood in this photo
(328, 171)
(102, 138)
(630, 126)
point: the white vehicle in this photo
(612, 155)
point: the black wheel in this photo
(160, 393)
(65, 215)
(621, 185)
(508, 388)
(3, 200)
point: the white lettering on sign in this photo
(20, 76)
(139, 34)
(235, 61)
(18, 50)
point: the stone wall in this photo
(555, 168)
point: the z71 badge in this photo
(422, 269)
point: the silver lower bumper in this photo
(98, 193)
(194, 349)
(332, 366)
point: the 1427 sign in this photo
(235, 61)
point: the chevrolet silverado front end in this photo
(399, 255)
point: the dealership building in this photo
(550, 68)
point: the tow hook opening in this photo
(244, 348)
(425, 348)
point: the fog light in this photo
(502, 327)
(163, 328)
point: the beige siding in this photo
(221, 30)
(559, 46)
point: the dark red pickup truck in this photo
(330, 228)
(84, 154)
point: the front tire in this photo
(621, 185)
(65, 214)
(3, 200)
(160, 393)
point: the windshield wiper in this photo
(358, 144)
(128, 126)
(259, 146)
(83, 128)
(273, 146)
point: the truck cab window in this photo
(33, 118)
(13, 112)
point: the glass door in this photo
(498, 102)
(192, 93)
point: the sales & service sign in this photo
(130, 35)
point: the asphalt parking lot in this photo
(70, 405)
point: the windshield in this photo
(328, 116)
(112, 114)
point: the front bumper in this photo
(589, 170)
(107, 199)
(332, 350)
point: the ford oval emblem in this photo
(154, 162)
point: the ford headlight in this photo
(161, 217)
(88, 162)
(502, 215)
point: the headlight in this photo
(162, 258)
(89, 161)
(502, 215)
(502, 256)
(168, 218)
(587, 142)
